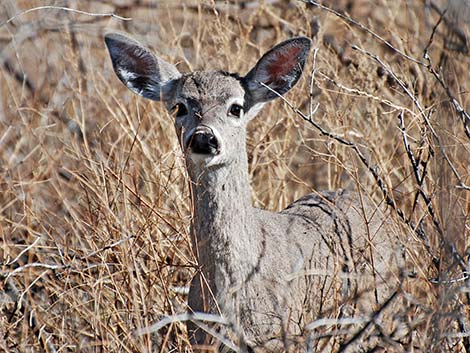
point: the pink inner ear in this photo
(283, 64)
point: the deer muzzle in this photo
(203, 141)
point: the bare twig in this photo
(408, 150)
(452, 25)
(22, 305)
(107, 247)
(340, 321)
(374, 316)
(433, 32)
(425, 117)
(428, 125)
(216, 319)
(36, 264)
(25, 250)
(464, 116)
(363, 28)
(424, 195)
(361, 93)
(50, 7)
(372, 169)
(19, 76)
(198, 319)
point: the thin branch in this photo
(197, 318)
(452, 26)
(464, 116)
(359, 93)
(50, 7)
(107, 247)
(216, 319)
(339, 321)
(416, 102)
(22, 305)
(465, 120)
(35, 265)
(29, 247)
(424, 195)
(433, 32)
(374, 316)
(408, 150)
(372, 169)
(363, 28)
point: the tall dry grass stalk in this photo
(94, 202)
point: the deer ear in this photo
(142, 72)
(279, 69)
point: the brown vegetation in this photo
(94, 202)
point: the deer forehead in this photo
(210, 87)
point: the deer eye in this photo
(179, 109)
(236, 110)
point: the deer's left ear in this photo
(280, 69)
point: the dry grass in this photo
(94, 202)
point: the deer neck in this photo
(224, 223)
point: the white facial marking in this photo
(254, 110)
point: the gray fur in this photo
(327, 254)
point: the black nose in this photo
(204, 142)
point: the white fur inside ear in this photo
(128, 78)
(126, 75)
(145, 86)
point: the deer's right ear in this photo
(142, 72)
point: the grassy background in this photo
(94, 200)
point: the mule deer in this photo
(326, 255)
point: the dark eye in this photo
(236, 110)
(179, 109)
